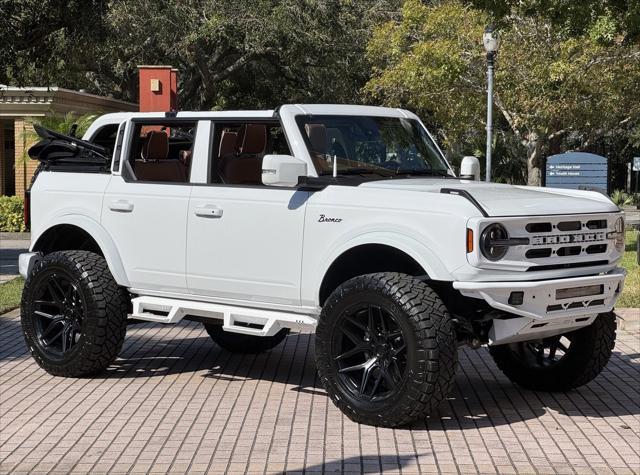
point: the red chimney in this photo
(158, 88)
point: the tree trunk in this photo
(535, 160)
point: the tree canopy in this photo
(230, 53)
(555, 84)
(568, 73)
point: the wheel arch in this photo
(367, 255)
(71, 232)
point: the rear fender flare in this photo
(99, 235)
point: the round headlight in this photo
(619, 234)
(490, 242)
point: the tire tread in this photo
(105, 321)
(594, 345)
(436, 344)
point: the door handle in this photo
(208, 211)
(121, 205)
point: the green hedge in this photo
(11, 214)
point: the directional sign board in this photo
(578, 170)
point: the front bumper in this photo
(541, 312)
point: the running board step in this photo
(250, 321)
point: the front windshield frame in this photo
(417, 155)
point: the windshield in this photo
(385, 146)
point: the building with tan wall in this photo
(19, 106)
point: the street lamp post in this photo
(491, 42)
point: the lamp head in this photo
(491, 40)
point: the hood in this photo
(509, 200)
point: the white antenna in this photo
(335, 158)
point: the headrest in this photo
(227, 143)
(252, 139)
(317, 134)
(156, 146)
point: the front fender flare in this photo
(101, 237)
(425, 257)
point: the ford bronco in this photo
(343, 219)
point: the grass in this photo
(631, 293)
(10, 293)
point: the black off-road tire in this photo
(586, 357)
(429, 337)
(104, 320)
(240, 343)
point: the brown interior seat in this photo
(226, 151)
(154, 165)
(155, 146)
(244, 165)
(227, 143)
(165, 170)
(252, 139)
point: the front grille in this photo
(544, 243)
(565, 238)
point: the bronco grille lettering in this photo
(567, 238)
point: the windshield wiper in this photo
(366, 171)
(423, 172)
(361, 171)
(388, 173)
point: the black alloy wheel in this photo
(59, 311)
(370, 352)
(542, 353)
(385, 349)
(73, 313)
(562, 362)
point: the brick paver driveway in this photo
(175, 402)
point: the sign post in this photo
(636, 168)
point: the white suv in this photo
(343, 218)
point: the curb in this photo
(628, 319)
(16, 236)
(15, 312)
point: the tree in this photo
(49, 42)
(252, 53)
(553, 84)
(230, 53)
